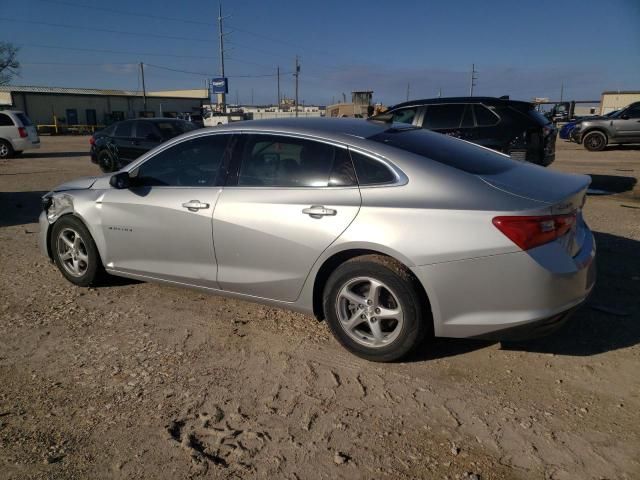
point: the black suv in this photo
(123, 142)
(508, 126)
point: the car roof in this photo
(443, 100)
(333, 128)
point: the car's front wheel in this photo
(374, 309)
(106, 162)
(74, 251)
(595, 141)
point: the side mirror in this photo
(120, 180)
(624, 116)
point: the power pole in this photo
(439, 92)
(473, 79)
(297, 75)
(144, 89)
(408, 85)
(561, 91)
(278, 87)
(222, 96)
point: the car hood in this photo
(78, 184)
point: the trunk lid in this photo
(563, 192)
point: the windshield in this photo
(613, 114)
(539, 117)
(447, 150)
(24, 119)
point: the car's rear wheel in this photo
(6, 151)
(106, 162)
(595, 141)
(74, 252)
(374, 309)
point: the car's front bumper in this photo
(509, 294)
(43, 234)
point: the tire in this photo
(106, 162)
(6, 150)
(595, 141)
(76, 256)
(347, 295)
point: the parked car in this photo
(17, 133)
(567, 128)
(511, 127)
(388, 233)
(619, 128)
(123, 142)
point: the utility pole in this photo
(561, 91)
(473, 79)
(252, 97)
(278, 104)
(144, 89)
(408, 85)
(297, 75)
(439, 92)
(222, 96)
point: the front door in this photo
(627, 125)
(161, 226)
(145, 137)
(292, 198)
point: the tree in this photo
(9, 65)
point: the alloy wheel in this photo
(369, 312)
(72, 252)
(4, 150)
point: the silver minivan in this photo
(17, 133)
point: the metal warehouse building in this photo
(616, 100)
(88, 106)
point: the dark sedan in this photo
(123, 142)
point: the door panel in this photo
(148, 231)
(627, 129)
(266, 245)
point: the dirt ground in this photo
(138, 380)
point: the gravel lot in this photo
(137, 380)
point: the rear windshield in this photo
(450, 151)
(174, 128)
(24, 119)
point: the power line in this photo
(205, 74)
(122, 52)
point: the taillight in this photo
(533, 231)
(23, 132)
(92, 140)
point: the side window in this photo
(5, 120)
(633, 112)
(278, 161)
(26, 121)
(406, 115)
(123, 129)
(467, 118)
(443, 116)
(193, 163)
(109, 131)
(146, 130)
(370, 171)
(485, 117)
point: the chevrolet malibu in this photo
(389, 232)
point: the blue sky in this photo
(522, 49)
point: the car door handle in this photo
(318, 211)
(195, 205)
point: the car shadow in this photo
(36, 154)
(610, 184)
(19, 208)
(609, 320)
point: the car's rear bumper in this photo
(21, 144)
(511, 294)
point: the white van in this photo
(17, 133)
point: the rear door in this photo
(161, 226)
(146, 136)
(7, 128)
(448, 119)
(287, 199)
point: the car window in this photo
(485, 117)
(173, 128)
(405, 115)
(467, 118)
(192, 163)
(5, 120)
(371, 171)
(108, 131)
(24, 119)
(444, 149)
(145, 129)
(123, 129)
(443, 116)
(633, 112)
(278, 161)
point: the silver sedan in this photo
(388, 232)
